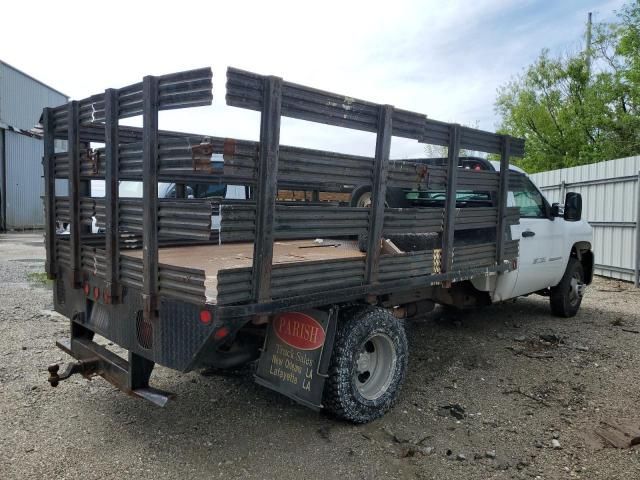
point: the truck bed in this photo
(213, 258)
(198, 286)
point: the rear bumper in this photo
(131, 376)
(176, 338)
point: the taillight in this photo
(86, 288)
(96, 293)
(221, 333)
(205, 317)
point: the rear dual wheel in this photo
(368, 365)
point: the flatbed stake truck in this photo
(312, 284)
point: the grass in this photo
(40, 279)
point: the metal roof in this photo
(34, 79)
(22, 98)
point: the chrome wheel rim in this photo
(375, 365)
(365, 200)
(576, 289)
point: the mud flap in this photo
(296, 354)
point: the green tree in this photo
(572, 116)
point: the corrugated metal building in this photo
(611, 203)
(22, 99)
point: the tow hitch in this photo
(130, 376)
(86, 368)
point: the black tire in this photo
(395, 197)
(357, 193)
(348, 393)
(565, 300)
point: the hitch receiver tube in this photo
(84, 367)
(94, 359)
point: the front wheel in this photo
(368, 365)
(566, 297)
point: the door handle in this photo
(528, 233)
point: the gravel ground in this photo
(485, 397)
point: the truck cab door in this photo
(542, 257)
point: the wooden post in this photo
(48, 166)
(502, 198)
(75, 228)
(450, 202)
(150, 196)
(266, 188)
(378, 193)
(112, 234)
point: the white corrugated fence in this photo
(611, 203)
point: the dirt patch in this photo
(505, 392)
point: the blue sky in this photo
(442, 58)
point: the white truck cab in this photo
(555, 256)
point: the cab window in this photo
(203, 190)
(524, 194)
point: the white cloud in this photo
(444, 59)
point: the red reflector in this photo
(96, 293)
(221, 333)
(86, 288)
(205, 317)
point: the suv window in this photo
(525, 195)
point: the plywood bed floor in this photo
(213, 258)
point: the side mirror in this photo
(573, 207)
(555, 210)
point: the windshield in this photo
(439, 195)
